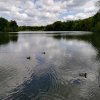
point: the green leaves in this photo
(88, 24)
(6, 26)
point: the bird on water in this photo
(83, 75)
(28, 58)
(43, 53)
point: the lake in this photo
(49, 66)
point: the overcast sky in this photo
(43, 12)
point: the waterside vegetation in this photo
(8, 26)
(88, 24)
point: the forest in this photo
(8, 26)
(88, 24)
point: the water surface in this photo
(53, 70)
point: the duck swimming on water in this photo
(43, 53)
(83, 75)
(28, 58)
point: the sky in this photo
(43, 12)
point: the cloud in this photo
(43, 12)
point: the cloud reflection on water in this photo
(53, 75)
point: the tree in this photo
(57, 26)
(3, 24)
(97, 27)
(13, 26)
(6, 26)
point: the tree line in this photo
(8, 26)
(88, 24)
(31, 28)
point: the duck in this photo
(28, 58)
(83, 75)
(43, 53)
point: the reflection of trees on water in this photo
(47, 86)
(5, 38)
(94, 39)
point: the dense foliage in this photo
(6, 26)
(89, 24)
(31, 28)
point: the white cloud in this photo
(42, 12)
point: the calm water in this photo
(53, 71)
